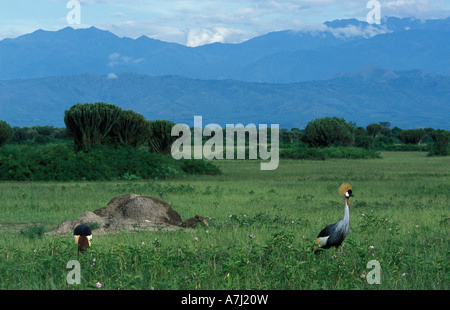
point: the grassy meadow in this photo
(262, 228)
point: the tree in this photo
(6, 132)
(374, 130)
(329, 131)
(412, 136)
(132, 129)
(90, 123)
(385, 124)
(22, 134)
(160, 140)
(441, 140)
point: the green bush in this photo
(441, 140)
(374, 130)
(404, 147)
(412, 136)
(32, 232)
(195, 166)
(329, 152)
(90, 123)
(160, 140)
(329, 131)
(6, 132)
(132, 129)
(60, 162)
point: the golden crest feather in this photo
(344, 188)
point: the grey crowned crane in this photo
(82, 235)
(334, 234)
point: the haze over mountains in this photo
(397, 71)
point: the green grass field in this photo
(262, 228)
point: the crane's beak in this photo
(350, 195)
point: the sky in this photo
(198, 22)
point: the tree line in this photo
(91, 124)
(333, 131)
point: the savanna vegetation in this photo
(262, 223)
(261, 232)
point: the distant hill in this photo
(398, 71)
(371, 94)
(277, 57)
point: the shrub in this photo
(374, 130)
(32, 232)
(441, 140)
(329, 131)
(329, 152)
(90, 123)
(160, 140)
(6, 132)
(132, 129)
(60, 162)
(412, 136)
(365, 141)
(195, 166)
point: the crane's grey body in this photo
(334, 234)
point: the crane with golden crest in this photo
(334, 234)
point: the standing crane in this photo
(334, 234)
(82, 235)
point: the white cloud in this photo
(117, 59)
(421, 9)
(135, 29)
(111, 76)
(194, 22)
(196, 37)
(356, 31)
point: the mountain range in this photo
(397, 71)
(371, 94)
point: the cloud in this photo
(118, 14)
(151, 29)
(111, 76)
(195, 22)
(357, 31)
(421, 9)
(117, 59)
(196, 37)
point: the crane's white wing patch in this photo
(322, 241)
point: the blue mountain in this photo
(371, 94)
(277, 57)
(397, 71)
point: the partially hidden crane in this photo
(334, 234)
(82, 235)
